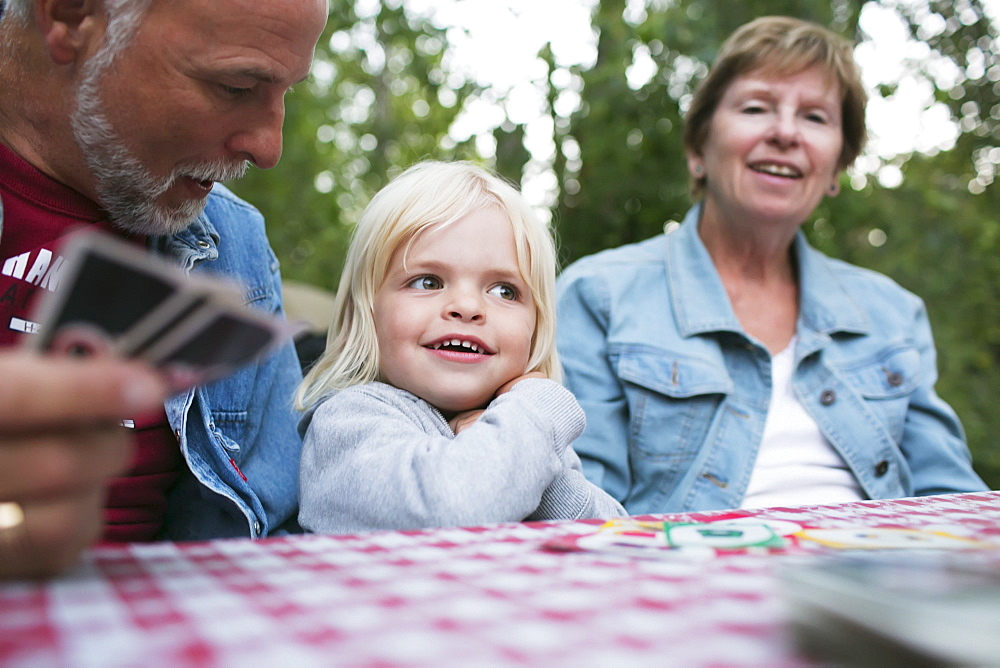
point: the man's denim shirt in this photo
(238, 434)
(676, 393)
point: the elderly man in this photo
(123, 115)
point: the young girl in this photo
(436, 402)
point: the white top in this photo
(796, 465)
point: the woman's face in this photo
(772, 148)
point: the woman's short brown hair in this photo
(780, 45)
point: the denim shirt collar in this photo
(701, 305)
(196, 243)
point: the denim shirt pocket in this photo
(885, 380)
(238, 396)
(672, 400)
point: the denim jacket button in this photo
(894, 379)
(203, 244)
(827, 397)
(881, 468)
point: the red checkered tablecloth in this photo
(490, 595)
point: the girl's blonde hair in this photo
(429, 193)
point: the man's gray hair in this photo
(14, 11)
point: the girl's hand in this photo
(506, 387)
(464, 420)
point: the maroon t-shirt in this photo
(38, 213)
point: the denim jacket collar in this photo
(824, 304)
(697, 296)
(701, 305)
(198, 242)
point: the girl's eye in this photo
(425, 283)
(753, 109)
(816, 117)
(504, 291)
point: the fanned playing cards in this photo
(114, 298)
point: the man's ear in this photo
(68, 27)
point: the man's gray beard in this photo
(126, 189)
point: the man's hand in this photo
(60, 442)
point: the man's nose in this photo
(260, 140)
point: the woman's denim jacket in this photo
(238, 434)
(676, 392)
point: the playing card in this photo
(104, 289)
(115, 298)
(213, 341)
(162, 321)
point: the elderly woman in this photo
(729, 364)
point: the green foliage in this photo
(379, 100)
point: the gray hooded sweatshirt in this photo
(377, 457)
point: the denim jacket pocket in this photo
(885, 380)
(259, 287)
(672, 402)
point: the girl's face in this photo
(456, 322)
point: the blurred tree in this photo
(380, 99)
